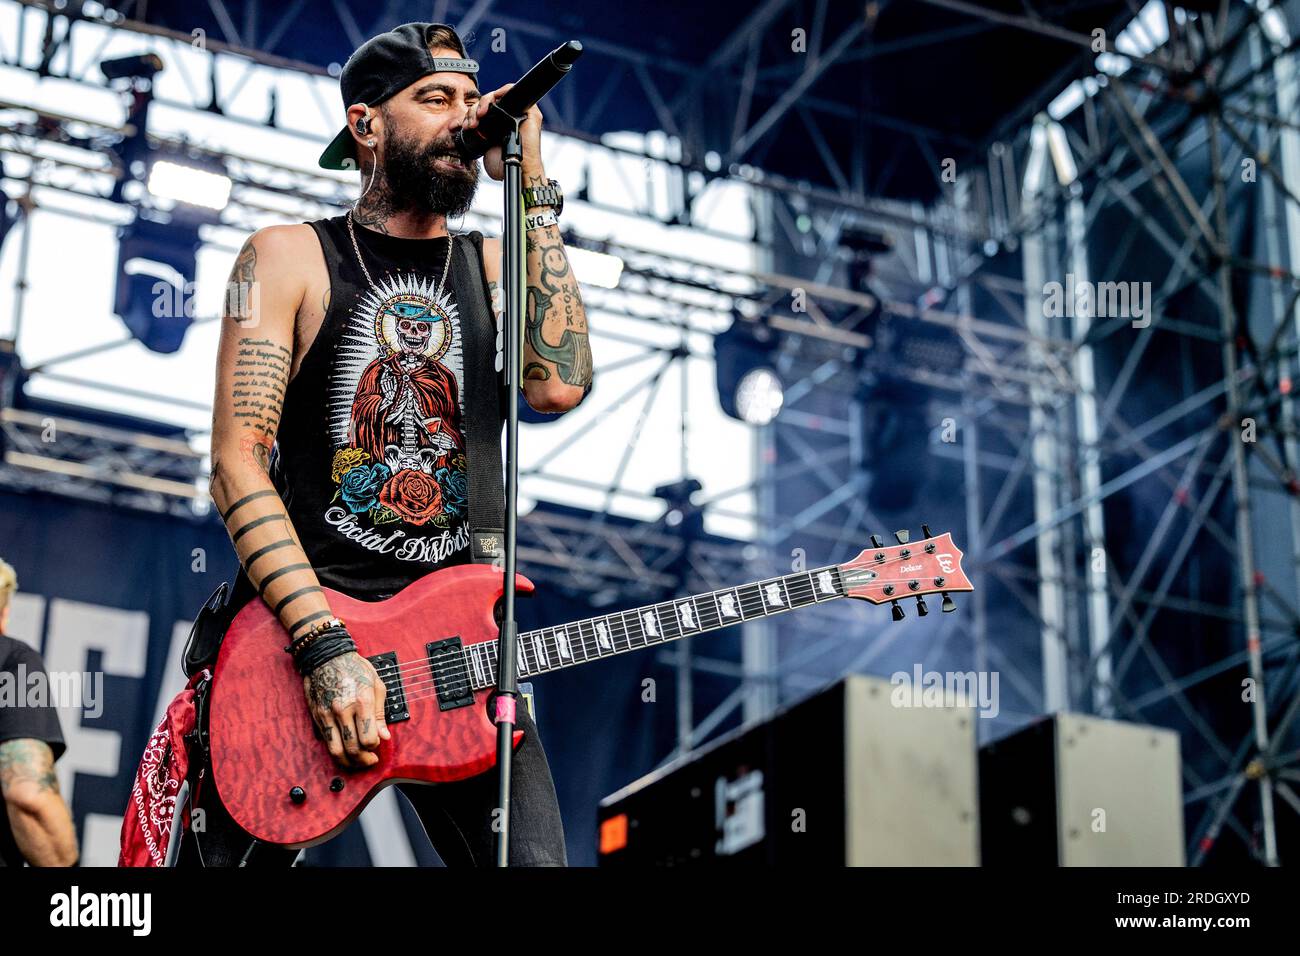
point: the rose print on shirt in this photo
(395, 408)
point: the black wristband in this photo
(332, 643)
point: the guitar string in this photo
(457, 661)
(553, 648)
(551, 643)
(458, 664)
(750, 606)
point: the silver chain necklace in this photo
(437, 293)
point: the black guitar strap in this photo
(485, 400)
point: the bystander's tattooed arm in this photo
(40, 821)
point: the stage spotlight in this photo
(132, 150)
(155, 281)
(749, 387)
(683, 518)
(759, 396)
(141, 66)
(864, 246)
(680, 513)
(189, 184)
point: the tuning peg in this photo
(903, 536)
(948, 603)
(897, 611)
(875, 541)
(925, 530)
(921, 609)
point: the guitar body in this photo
(263, 740)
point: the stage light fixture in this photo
(139, 66)
(749, 387)
(154, 296)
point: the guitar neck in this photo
(595, 638)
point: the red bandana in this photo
(147, 824)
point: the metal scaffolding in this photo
(1093, 516)
(1159, 175)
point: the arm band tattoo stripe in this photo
(286, 543)
(307, 620)
(289, 599)
(254, 524)
(225, 515)
(287, 569)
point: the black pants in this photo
(457, 818)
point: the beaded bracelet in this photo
(302, 640)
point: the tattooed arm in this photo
(254, 361)
(557, 364)
(38, 817)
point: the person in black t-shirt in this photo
(36, 827)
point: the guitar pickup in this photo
(395, 694)
(450, 675)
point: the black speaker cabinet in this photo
(843, 777)
(1073, 790)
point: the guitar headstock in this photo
(887, 574)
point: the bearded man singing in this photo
(339, 455)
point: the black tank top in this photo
(372, 458)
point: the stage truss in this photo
(1034, 420)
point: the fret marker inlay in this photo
(686, 613)
(728, 604)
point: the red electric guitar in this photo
(434, 645)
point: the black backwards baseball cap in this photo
(382, 66)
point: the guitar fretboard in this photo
(551, 648)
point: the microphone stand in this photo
(501, 119)
(513, 267)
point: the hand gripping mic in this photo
(514, 105)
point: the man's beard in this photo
(415, 184)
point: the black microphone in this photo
(500, 118)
